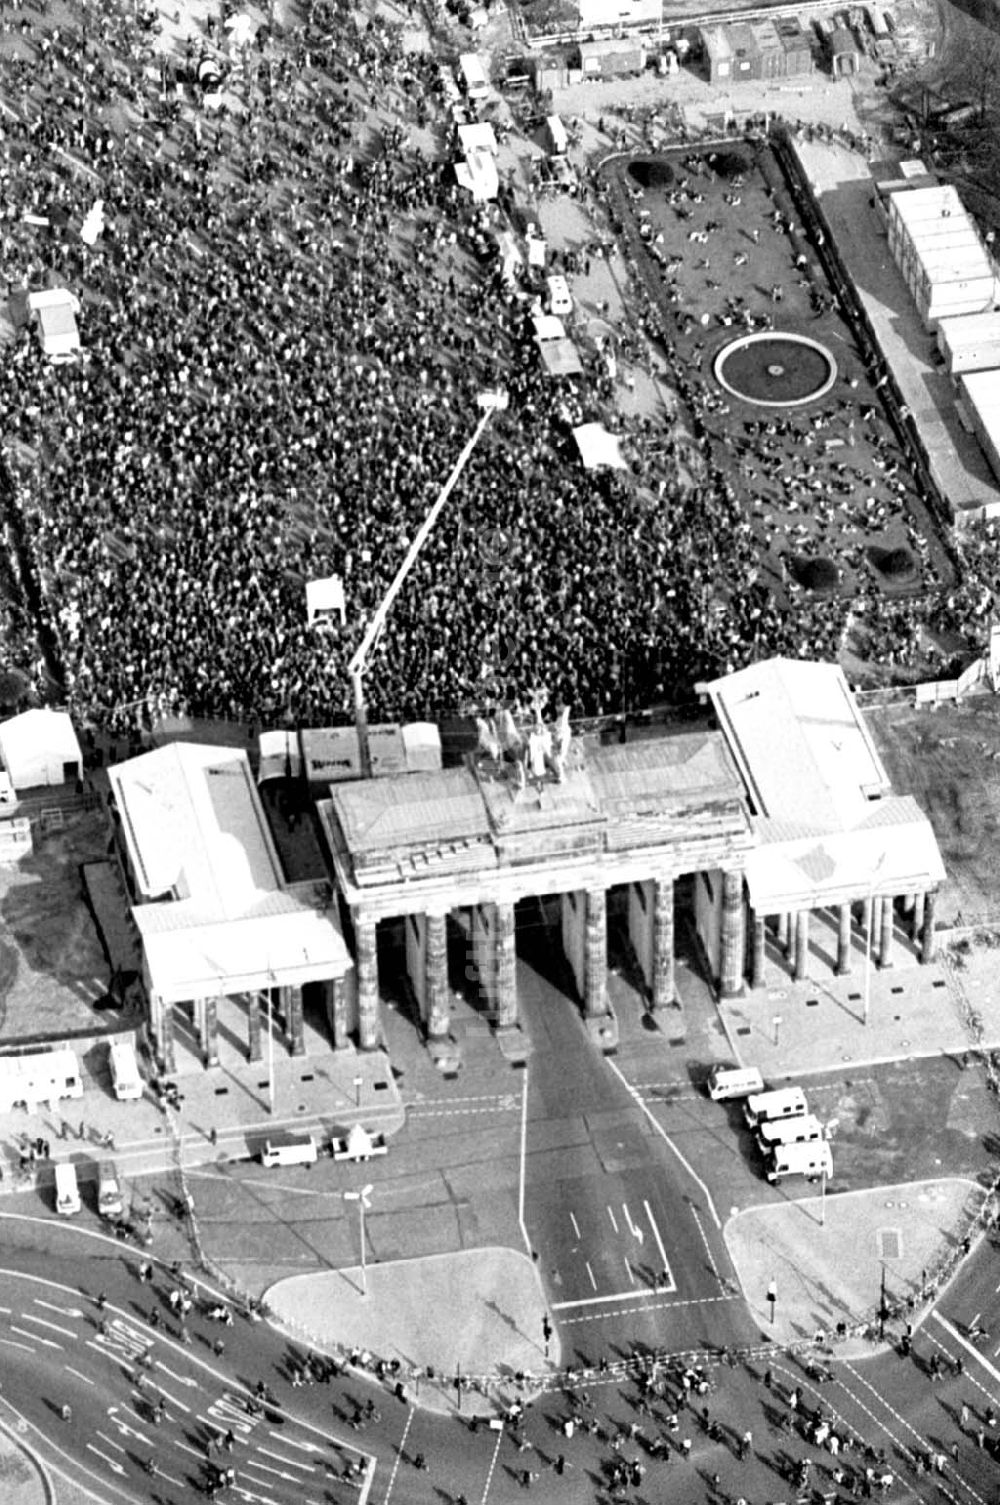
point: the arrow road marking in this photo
(279, 1473)
(112, 1463)
(182, 1379)
(633, 1230)
(291, 1442)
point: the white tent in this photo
(55, 312)
(325, 598)
(478, 173)
(598, 448)
(478, 137)
(40, 748)
(279, 756)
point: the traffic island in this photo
(870, 1260)
(460, 1327)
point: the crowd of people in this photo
(286, 324)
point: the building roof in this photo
(982, 391)
(800, 742)
(197, 838)
(476, 819)
(970, 331)
(715, 40)
(893, 850)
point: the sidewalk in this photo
(24, 1483)
(224, 1115)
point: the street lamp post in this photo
(270, 1052)
(490, 403)
(363, 1199)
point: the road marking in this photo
(277, 1472)
(671, 1284)
(52, 1327)
(636, 1233)
(593, 1282)
(35, 1337)
(708, 1248)
(50, 1306)
(110, 1442)
(564, 1306)
(5, 1311)
(26, 1347)
(649, 1306)
(492, 1467)
(85, 1377)
(399, 1457)
(629, 1271)
(612, 1217)
(174, 1401)
(969, 1347)
(634, 1094)
(291, 1462)
(576, 1227)
(112, 1463)
(182, 1379)
(291, 1442)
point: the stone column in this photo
(505, 966)
(885, 941)
(210, 1039)
(255, 1049)
(757, 950)
(663, 990)
(801, 945)
(365, 930)
(843, 966)
(595, 979)
(918, 917)
(875, 920)
(295, 1023)
(782, 931)
(928, 940)
(166, 1031)
(336, 1011)
(437, 975)
(731, 948)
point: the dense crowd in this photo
(286, 324)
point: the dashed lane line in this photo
(902, 1422)
(399, 1457)
(461, 1112)
(646, 1306)
(492, 1468)
(708, 1248)
(970, 1348)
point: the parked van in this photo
(109, 1191)
(557, 137)
(726, 1082)
(124, 1069)
(789, 1131)
(809, 1160)
(559, 299)
(765, 1107)
(39, 1077)
(67, 1190)
(474, 77)
(289, 1149)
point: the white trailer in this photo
(41, 1077)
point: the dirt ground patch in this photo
(947, 760)
(52, 964)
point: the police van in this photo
(474, 78)
(726, 1082)
(810, 1160)
(67, 1189)
(289, 1149)
(768, 1107)
(804, 1130)
(124, 1068)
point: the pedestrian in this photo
(229, 1440)
(980, 1438)
(965, 1413)
(560, 1464)
(218, 1348)
(214, 1136)
(686, 1446)
(768, 1379)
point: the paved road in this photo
(609, 1206)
